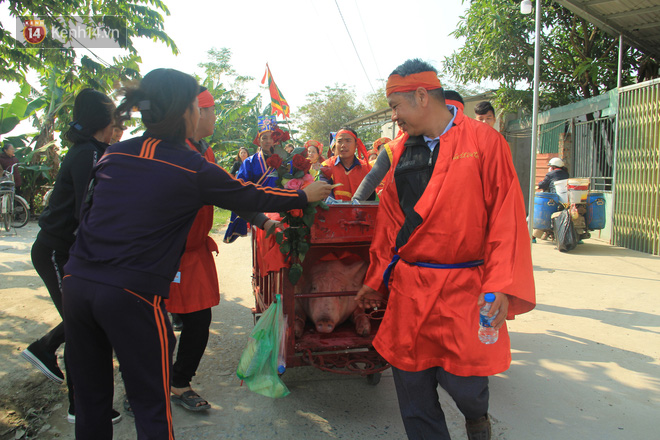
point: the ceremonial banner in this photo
(278, 103)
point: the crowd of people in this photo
(125, 240)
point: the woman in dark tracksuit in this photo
(90, 133)
(146, 193)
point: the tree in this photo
(578, 60)
(131, 18)
(236, 115)
(63, 73)
(327, 111)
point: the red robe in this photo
(472, 209)
(350, 179)
(197, 287)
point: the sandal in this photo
(190, 400)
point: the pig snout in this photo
(325, 325)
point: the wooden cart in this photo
(341, 228)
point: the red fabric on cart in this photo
(198, 287)
(472, 209)
(269, 257)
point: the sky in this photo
(304, 42)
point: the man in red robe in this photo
(345, 168)
(450, 228)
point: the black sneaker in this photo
(45, 362)
(116, 417)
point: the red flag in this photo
(277, 101)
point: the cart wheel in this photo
(373, 379)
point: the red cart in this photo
(341, 228)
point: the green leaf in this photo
(295, 272)
(35, 105)
(299, 174)
(279, 237)
(303, 247)
(8, 124)
(308, 220)
(288, 176)
(285, 247)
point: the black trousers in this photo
(192, 343)
(99, 318)
(49, 264)
(420, 408)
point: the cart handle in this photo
(322, 294)
(354, 223)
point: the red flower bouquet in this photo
(292, 172)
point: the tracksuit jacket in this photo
(146, 193)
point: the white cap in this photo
(556, 162)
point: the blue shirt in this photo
(433, 142)
(356, 162)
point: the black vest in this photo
(411, 176)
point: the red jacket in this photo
(350, 180)
(472, 209)
(196, 286)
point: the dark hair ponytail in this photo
(162, 97)
(92, 111)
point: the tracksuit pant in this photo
(98, 319)
(420, 408)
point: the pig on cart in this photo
(324, 326)
(333, 274)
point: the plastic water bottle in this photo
(487, 334)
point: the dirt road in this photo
(586, 362)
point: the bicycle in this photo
(14, 209)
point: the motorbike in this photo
(567, 217)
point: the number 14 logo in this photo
(34, 31)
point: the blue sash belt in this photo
(396, 258)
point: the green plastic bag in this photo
(259, 362)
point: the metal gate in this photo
(594, 152)
(636, 222)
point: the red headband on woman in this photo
(401, 84)
(205, 99)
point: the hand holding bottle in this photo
(500, 305)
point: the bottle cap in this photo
(489, 297)
(281, 369)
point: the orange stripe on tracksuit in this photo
(164, 344)
(149, 148)
(164, 349)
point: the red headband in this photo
(205, 99)
(314, 143)
(380, 141)
(360, 146)
(410, 83)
